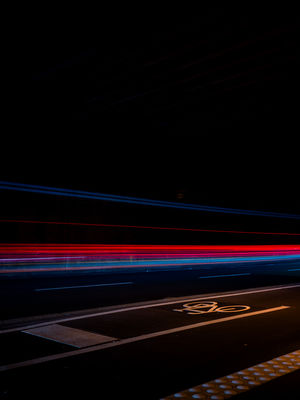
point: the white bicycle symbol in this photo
(209, 307)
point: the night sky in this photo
(202, 108)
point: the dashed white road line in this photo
(83, 286)
(223, 276)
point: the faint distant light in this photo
(179, 195)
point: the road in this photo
(43, 294)
(149, 341)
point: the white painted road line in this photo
(294, 269)
(242, 381)
(222, 276)
(134, 308)
(83, 286)
(135, 339)
(70, 336)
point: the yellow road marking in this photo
(242, 381)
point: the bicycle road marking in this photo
(97, 314)
(209, 307)
(134, 339)
(242, 381)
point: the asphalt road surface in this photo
(185, 335)
(43, 294)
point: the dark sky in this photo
(202, 107)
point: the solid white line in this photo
(83, 286)
(182, 300)
(134, 339)
(222, 276)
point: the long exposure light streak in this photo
(135, 200)
(21, 258)
(22, 221)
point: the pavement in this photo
(160, 348)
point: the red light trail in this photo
(20, 257)
(146, 227)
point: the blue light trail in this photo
(135, 200)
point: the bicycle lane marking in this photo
(124, 325)
(135, 322)
(136, 339)
(108, 328)
(144, 321)
(154, 305)
(207, 307)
